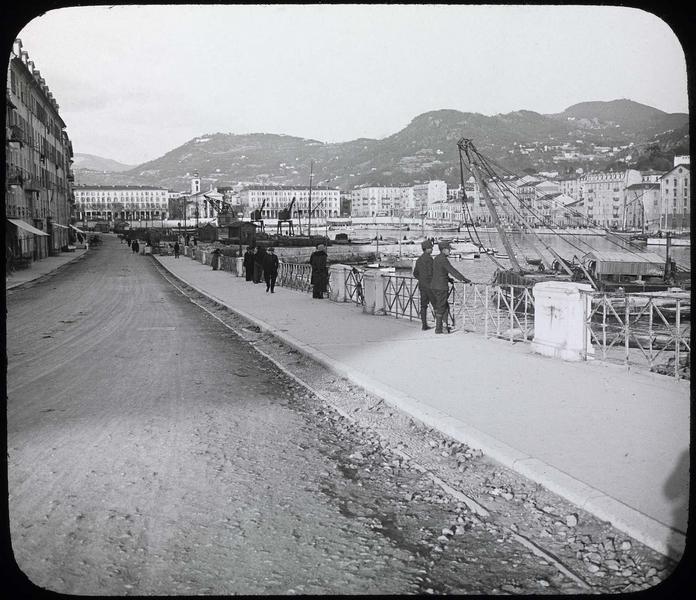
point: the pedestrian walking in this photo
(129, 241)
(135, 247)
(270, 269)
(258, 264)
(176, 249)
(423, 272)
(249, 263)
(442, 269)
(320, 272)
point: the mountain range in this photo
(425, 149)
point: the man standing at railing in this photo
(320, 271)
(423, 272)
(442, 269)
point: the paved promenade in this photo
(614, 443)
(41, 267)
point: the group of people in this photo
(433, 275)
(260, 262)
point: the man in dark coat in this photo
(249, 263)
(270, 269)
(176, 249)
(442, 269)
(258, 263)
(320, 272)
(423, 272)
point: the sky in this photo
(134, 82)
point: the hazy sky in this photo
(134, 82)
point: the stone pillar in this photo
(239, 263)
(373, 289)
(337, 282)
(559, 320)
(202, 258)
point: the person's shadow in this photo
(676, 489)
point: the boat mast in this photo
(465, 144)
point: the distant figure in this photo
(188, 237)
(320, 272)
(270, 269)
(176, 249)
(128, 241)
(249, 263)
(423, 272)
(135, 247)
(442, 269)
(215, 259)
(258, 264)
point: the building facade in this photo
(675, 196)
(128, 203)
(38, 192)
(325, 202)
(603, 193)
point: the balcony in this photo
(15, 176)
(16, 135)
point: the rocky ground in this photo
(468, 496)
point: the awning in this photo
(27, 227)
(78, 230)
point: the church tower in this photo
(195, 183)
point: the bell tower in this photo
(195, 183)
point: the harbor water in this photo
(480, 270)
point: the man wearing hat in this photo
(442, 269)
(270, 269)
(423, 272)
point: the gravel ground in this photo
(476, 521)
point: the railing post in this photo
(239, 265)
(337, 277)
(373, 288)
(485, 303)
(559, 325)
(627, 329)
(677, 339)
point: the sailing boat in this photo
(628, 268)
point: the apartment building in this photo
(377, 201)
(38, 158)
(642, 206)
(325, 202)
(603, 193)
(425, 194)
(129, 202)
(675, 197)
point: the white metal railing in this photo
(641, 329)
(496, 311)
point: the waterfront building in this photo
(375, 201)
(445, 212)
(199, 203)
(641, 206)
(132, 203)
(38, 158)
(602, 194)
(570, 186)
(682, 159)
(325, 201)
(428, 193)
(675, 196)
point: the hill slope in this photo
(425, 149)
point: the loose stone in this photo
(571, 520)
